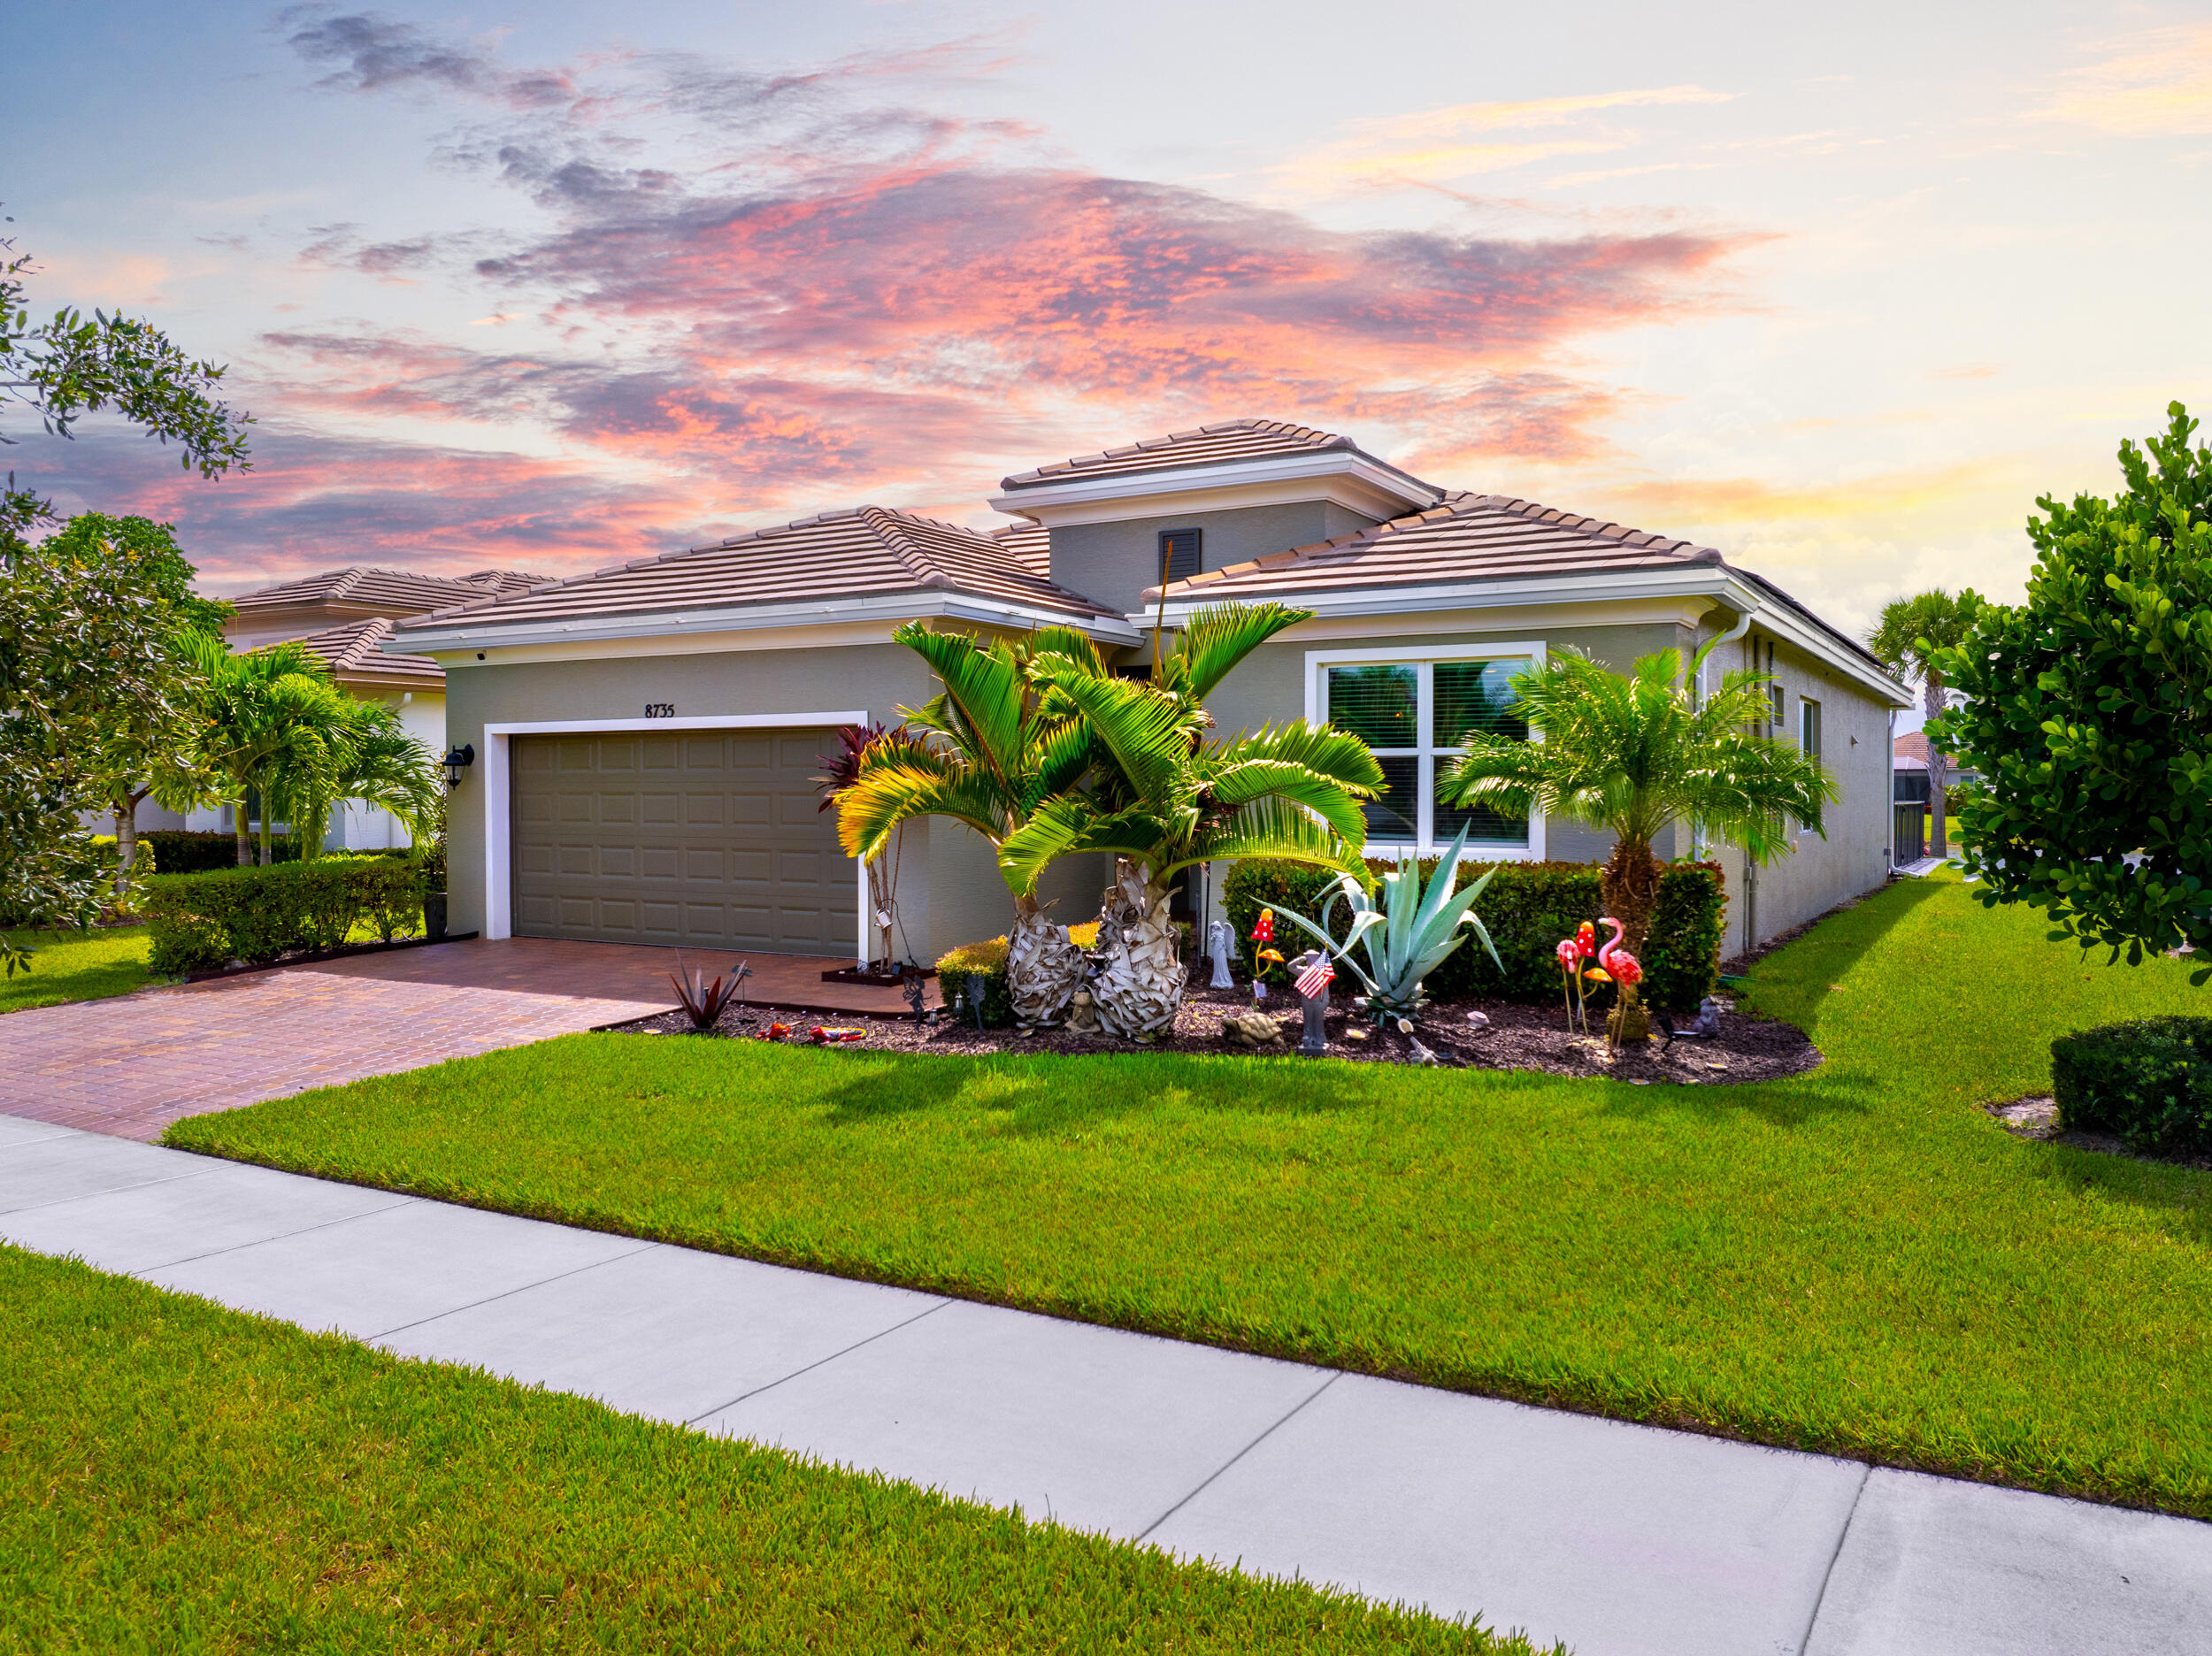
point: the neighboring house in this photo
(646, 737)
(345, 616)
(1911, 768)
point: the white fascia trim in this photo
(459, 634)
(1319, 661)
(1037, 500)
(498, 791)
(1794, 629)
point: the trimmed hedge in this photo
(988, 957)
(1528, 907)
(262, 914)
(2147, 1082)
(193, 851)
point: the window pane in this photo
(1395, 814)
(1486, 826)
(1474, 697)
(1376, 704)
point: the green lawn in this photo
(1857, 1260)
(76, 966)
(174, 1477)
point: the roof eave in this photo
(1047, 493)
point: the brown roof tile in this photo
(865, 552)
(1469, 537)
(356, 650)
(1207, 445)
(389, 591)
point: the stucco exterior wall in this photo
(1112, 564)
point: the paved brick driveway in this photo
(132, 1065)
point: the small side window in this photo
(1808, 726)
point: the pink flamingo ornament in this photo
(1626, 1019)
(1569, 964)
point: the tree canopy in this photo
(1910, 639)
(2087, 709)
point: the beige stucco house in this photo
(645, 737)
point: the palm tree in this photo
(1907, 639)
(986, 753)
(271, 719)
(369, 758)
(1635, 753)
(1164, 800)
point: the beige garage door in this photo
(706, 838)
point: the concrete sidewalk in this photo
(1615, 1538)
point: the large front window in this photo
(1415, 715)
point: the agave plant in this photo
(1405, 937)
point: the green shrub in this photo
(262, 914)
(2148, 1083)
(955, 966)
(1529, 907)
(192, 851)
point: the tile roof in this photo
(356, 650)
(393, 592)
(1469, 537)
(864, 552)
(1218, 444)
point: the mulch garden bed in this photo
(1515, 1037)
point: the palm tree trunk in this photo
(238, 826)
(126, 804)
(1939, 766)
(1043, 969)
(1140, 988)
(1630, 891)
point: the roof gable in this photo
(356, 650)
(386, 592)
(1219, 444)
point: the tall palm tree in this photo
(986, 753)
(1907, 639)
(1164, 800)
(367, 757)
(271, 718)
(1637, 753)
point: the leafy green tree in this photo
(72, 365)
(2087, 709)
(1909, 639)
(366, 756)
(1634, 753)
(81, 658)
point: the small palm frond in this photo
(985, 686)
(892, 793)
(1272, 828)
(1239, 785)
(1144, 730)
(1321, 748)
(1217, 638)
(1069, 826)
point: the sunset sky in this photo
(554, 285)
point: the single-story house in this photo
(345, 618)
(645, 737)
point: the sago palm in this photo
(1637, 753)
(1165, 799)
(986, 753)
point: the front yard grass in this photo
(76, 966)
(174, 1477)
(1857, 1260)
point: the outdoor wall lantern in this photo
(458, 760)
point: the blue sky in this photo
(552, 287)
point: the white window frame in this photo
(1424, 656)
(1809, 714)
(495, 763)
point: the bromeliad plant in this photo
(704, 1000)
(1405, 937)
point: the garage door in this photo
(708, 838)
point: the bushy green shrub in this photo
(988, 958)
(261, 914)
(1529, 907)
(2148, 1083)
(192, 851)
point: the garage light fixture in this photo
(458, 760)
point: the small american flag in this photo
(1314, 979)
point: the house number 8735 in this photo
(660, 709)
